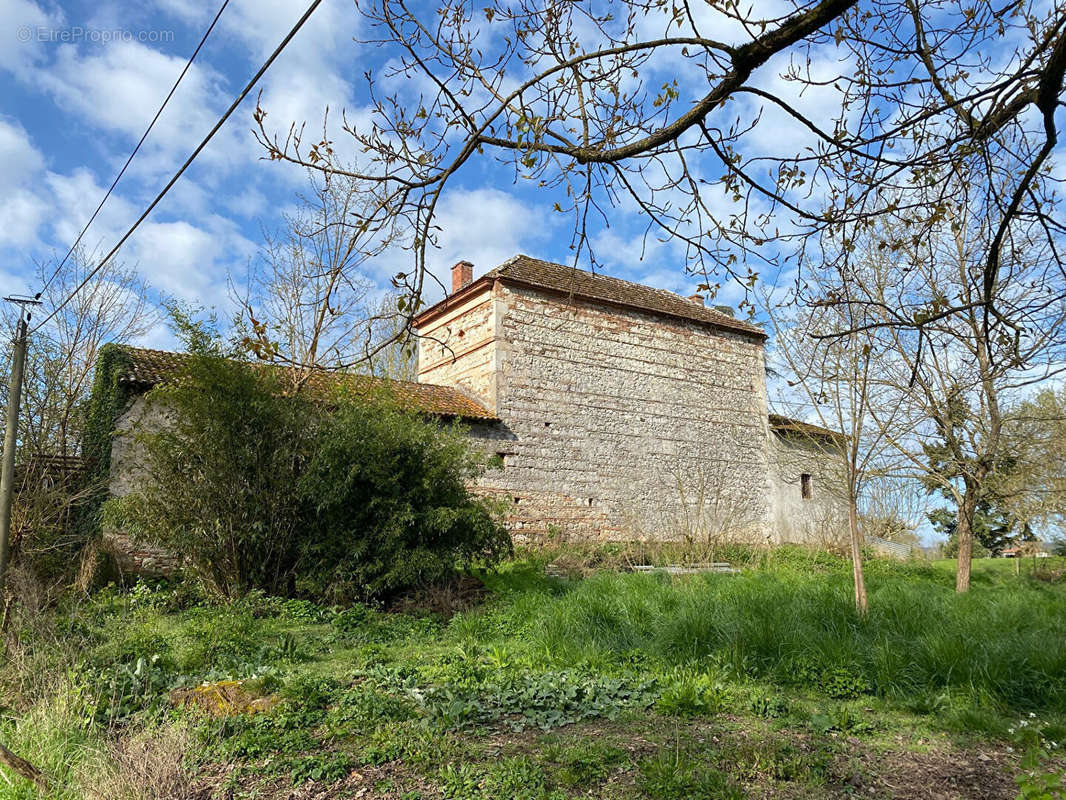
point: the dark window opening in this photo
(806, 486)
(517, 500)
(502, 456)
(590, 501)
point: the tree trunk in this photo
(856, 555)
(964, 532)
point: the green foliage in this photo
(388, 501)
(768, 706)
(263, 489)
(776, 758)
(993, 529)
(1040, 742)
(690, 694)
(797, 628)
(585, 763)
(995, 523)
(543, 700)
(219, 477)
(844, 718)
(107, 400)
(362, 686)
(675, 775)
(518, 777)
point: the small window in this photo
(806, 486)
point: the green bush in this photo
(260, 488)
(387, 499)
(219, 477)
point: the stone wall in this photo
(623, 424)
(127, 465)
(459, 349)
(821, 518)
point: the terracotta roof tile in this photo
(150, 367)
(588, 285)
(788, 425)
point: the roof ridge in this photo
(320, 370)
(655, 299)
(150, 367)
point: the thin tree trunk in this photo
(856, 555)
(964, 532)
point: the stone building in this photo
(626, 411)
(615, 411)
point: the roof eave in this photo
(486, 281)
(737, 328)
(453, 300)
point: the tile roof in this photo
(150, 367)
(782, 424)
(588, 285)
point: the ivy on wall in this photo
(107, 400)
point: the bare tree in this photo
(835, 377)
(307, 302)
(114, 306)
(398, 359)
(785, 140)
(1035, 490)
(953, 375)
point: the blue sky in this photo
(82, 80)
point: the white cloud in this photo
(483, 226)
(22, 210)
(21, 25)
(118, 87)
(182, 260)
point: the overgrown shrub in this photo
(387, 498)
(218, 478)
(342, 498)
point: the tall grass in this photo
(795, 626)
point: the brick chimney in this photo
(462, 274)
(696, 298)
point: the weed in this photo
(543, 700)
(768, 706)
(460, 781)
(675, 775)
(363, 708)
(317, 767)
(775, 758)
(844, 718)
(691, 694)
(585, 763)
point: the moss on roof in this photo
(148, 368)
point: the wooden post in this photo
(7, 473)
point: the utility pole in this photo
(14, 399)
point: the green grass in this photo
(637, 685)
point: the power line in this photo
(222, 120)
(144, 136)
